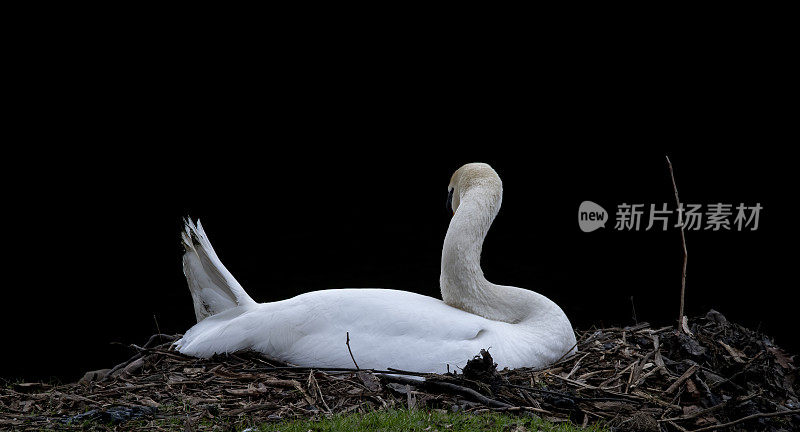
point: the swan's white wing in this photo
(387, 328)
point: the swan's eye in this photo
(450, 200)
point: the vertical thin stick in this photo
(157, 328)
(681, 324)
(351, 352)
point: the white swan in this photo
(388, 328)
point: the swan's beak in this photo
(450, 200)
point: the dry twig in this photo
(350, 351)
(682, 326)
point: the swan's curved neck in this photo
(461, 281)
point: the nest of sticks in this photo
(720, 376)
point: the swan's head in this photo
(474, 177)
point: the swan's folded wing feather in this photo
(387, 328)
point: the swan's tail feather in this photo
(213, 287)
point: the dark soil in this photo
(721, 377)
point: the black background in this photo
(326, 174)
